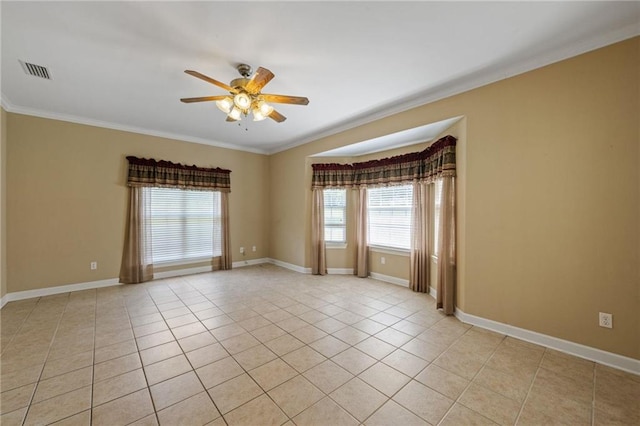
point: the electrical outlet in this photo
(94, 266)
(253, 248)
(383, 260)
(606, 320)
(241, 250)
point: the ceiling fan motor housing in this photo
(244, 70)
(239, 83)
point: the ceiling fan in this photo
(245, 95)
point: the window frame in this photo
(214, 235)
(335, 243)
(391, 249)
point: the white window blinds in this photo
(389, 216)
(436, 214)
(335, 215)
(185, 225)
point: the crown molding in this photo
(8, 106)
(466, 84)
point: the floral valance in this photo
(149, 172)
(438, 160)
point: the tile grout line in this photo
(53, 338)
(22, 323)
(535, 376)
(185, 354)
(144, 372)
(93, 356)
(593, 397)
(390, 398)
(455, 401)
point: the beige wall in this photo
(3, 202)
(551, 202)
(67, 198)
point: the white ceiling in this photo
(120, 64)
(415, 135)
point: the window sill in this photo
(183, 262)
(331, 246)
(390, 250)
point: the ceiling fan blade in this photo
(260, 79)
(284, 99)
(230, 119)
(211, 80)
(276, 116)
(203, 99)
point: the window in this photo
(436, 214)
(185, 225)
(389, 216)
(335, 215)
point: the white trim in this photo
(242, 263)
(48, 291)
(340, 271)
(620, 362)
(491, 75)
(389, 279)
(290, 266)
(180, 272)
(9, 107)
(332, 245)
(182, 262)
(390, 250)
(433, 292)
(447, 90)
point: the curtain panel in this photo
(149, 172)
(362, 249)
(420, 261)
(446, 283)
(136, 266)
(225, 259)
(318, 253)
(436, 161)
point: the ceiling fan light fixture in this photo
(242, 101)
(265, 108)
(225, 105)
(235, 113)
(258, 115)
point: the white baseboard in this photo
(242, 263)
(181, 272)
(201, 269)
(48, 291)
(389, 279)
(290, 266)
(620, 362)
(433, 292)
(340, 271)
(40, 292)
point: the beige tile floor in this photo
(265, 346)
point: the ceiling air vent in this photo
(35, 70)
